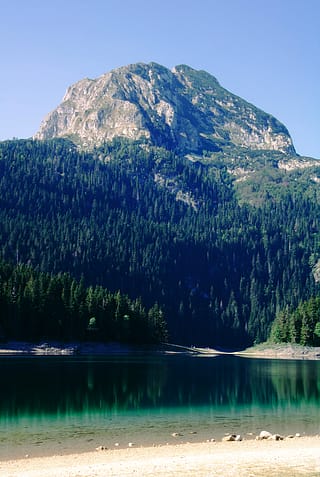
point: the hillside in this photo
(148, 222)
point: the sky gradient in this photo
(267, 52)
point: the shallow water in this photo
(51, 405)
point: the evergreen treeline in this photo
(142, 220)
(40, 306)
(301, 325)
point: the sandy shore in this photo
(281, 351)
(291, 457)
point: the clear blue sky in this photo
(267, 52)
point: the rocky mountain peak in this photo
(182, 108)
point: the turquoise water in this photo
(54, 405)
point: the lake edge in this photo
(262, 350)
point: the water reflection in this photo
(60, 386)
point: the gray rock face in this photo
(183, 109)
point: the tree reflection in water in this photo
(62, 386)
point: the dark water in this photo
(62, 404)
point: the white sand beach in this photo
(249, 458)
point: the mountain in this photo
(182, 109)
(166, 187)
(188, 112)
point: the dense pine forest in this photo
(38, 306)
(300, 325)
(163, 233)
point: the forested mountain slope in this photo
(138, 218)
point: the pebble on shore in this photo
(101, 448)
(264, 435)
(232, 438)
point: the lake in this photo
(70, 404)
